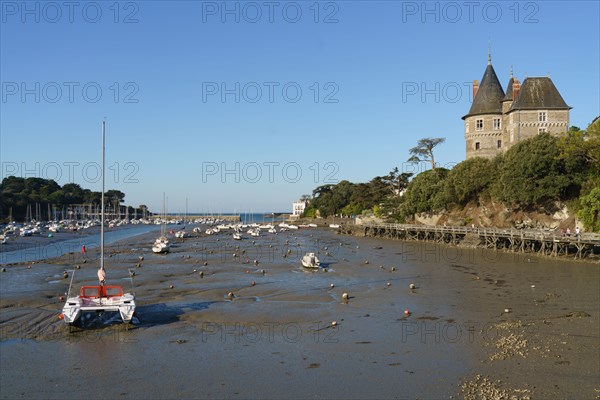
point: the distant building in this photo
(298, 209)
(498, 120)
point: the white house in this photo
(298, 208)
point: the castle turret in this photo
(483, 123)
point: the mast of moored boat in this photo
(163, 228)
(102, 204)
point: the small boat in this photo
(237, 236)
(334, 226)
(310, 260)
(181, 234)
(161, 245)
(102, 297)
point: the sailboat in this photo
(103, 297)
(180, 234)
(272, 227)
(161, 244)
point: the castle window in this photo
(467, 127)
(479, 125)
(499, 144)
(496, 124)
(541, 130)
(542, 116)
(477, 146)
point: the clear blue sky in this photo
(387, 73)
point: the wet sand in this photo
(274, 338)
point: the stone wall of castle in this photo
(525, 124)
(489, 140)
(485, 140)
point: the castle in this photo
(497, 120)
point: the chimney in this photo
(516, 88)
(475, 87)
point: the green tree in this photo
(396, 181)
(578, 144)
(424, 193)
(114, 196)
(310, 212)
(423, 151)
(593, 143)
(469, 180)
(589, 210)
(73, 193)
(322, 200)
(532, 173)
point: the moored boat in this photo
(99, 298)
(310, 260)
(102, 297)
(161, 245)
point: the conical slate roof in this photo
(488, 99)
(509, 90)
(538, 93)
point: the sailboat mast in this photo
(163, 230)
(102, 204)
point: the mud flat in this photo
(478, 323)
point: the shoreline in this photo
(38, 248)
(359, 231)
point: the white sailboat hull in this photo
(76, 306)
(161, 248)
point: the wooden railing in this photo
(529, 234)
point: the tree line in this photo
(19, 195)
(535, 174)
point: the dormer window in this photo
(479, 125)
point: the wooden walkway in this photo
(516, 240)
